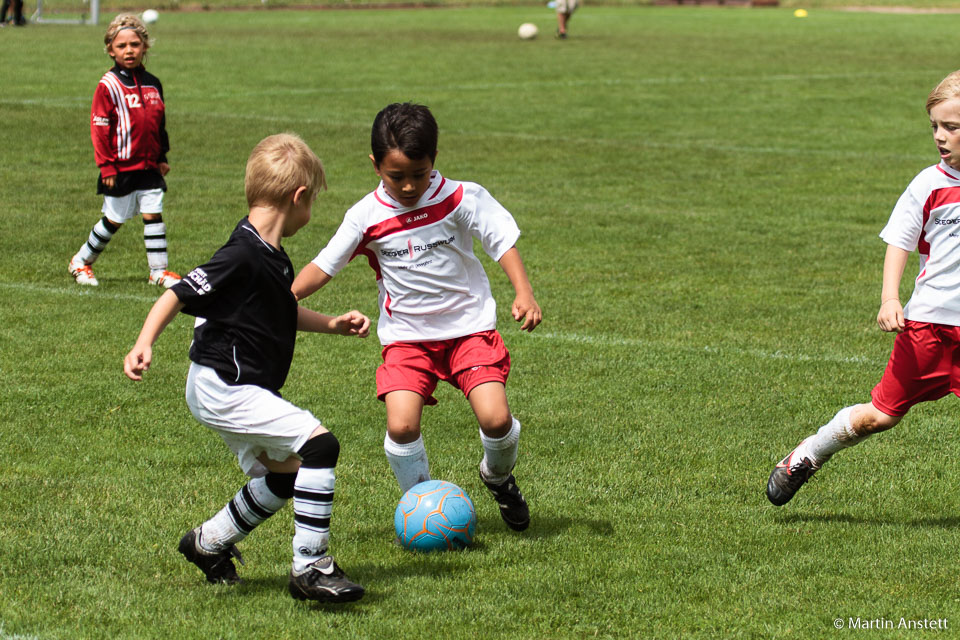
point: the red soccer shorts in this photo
(463, 362)
(923, 366)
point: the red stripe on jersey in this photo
(412, 219)
(433, 195)
(937, 198)
(371, 259)
(375, 265)
(382, 201)
(947, 173)
(405, 221)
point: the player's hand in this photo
(137, 361)
(890, 317)
(164, 168)
(109, 181)
(353, 323)
(526, 310)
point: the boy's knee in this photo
(320, 452)
(281, 484)
(495, 425)
(868, 420)
(403, 432)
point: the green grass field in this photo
(700, 191)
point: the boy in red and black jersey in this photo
(128, 129)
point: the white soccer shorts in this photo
(122, 209)
(250, 419)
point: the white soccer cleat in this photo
(164, 278)
(82, 272)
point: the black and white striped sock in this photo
(97, 241)
(313, 500)
(253, 504)
(155, 240)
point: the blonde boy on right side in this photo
(925, 362)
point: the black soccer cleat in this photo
(324, 581)
(787, 478)
(217, 567)
(513, 508)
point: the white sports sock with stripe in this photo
(155, 240)
(312, 509)
(97, 241)
(253, 504)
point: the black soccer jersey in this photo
(244, 295)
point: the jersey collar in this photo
(437, 182)
(948, 171)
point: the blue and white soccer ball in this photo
(434, 516)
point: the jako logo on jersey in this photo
(415, 218)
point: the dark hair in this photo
(408, 127)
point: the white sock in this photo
(253, 504)
(500, 454)
(155, 240)
(832, 437)
(408, 461)
(312, 508)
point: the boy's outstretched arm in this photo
(890, 316)
(352, 323)
(525, 308)
(309, 280)
(163, 311)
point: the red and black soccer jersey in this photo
(127, 122)
(244, 295)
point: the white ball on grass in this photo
(528, 31)
(150, 16)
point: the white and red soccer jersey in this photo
(432, 286)
(127, 123)
(926, 218)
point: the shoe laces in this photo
(800, 472)
(223, 567)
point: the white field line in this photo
(559, 336)
(74, 101)
(77, 292)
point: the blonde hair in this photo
(278, 166)
(948, 88)
(126, 21)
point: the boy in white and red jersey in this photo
(437, 315)
(130, 144)
(925, 362)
